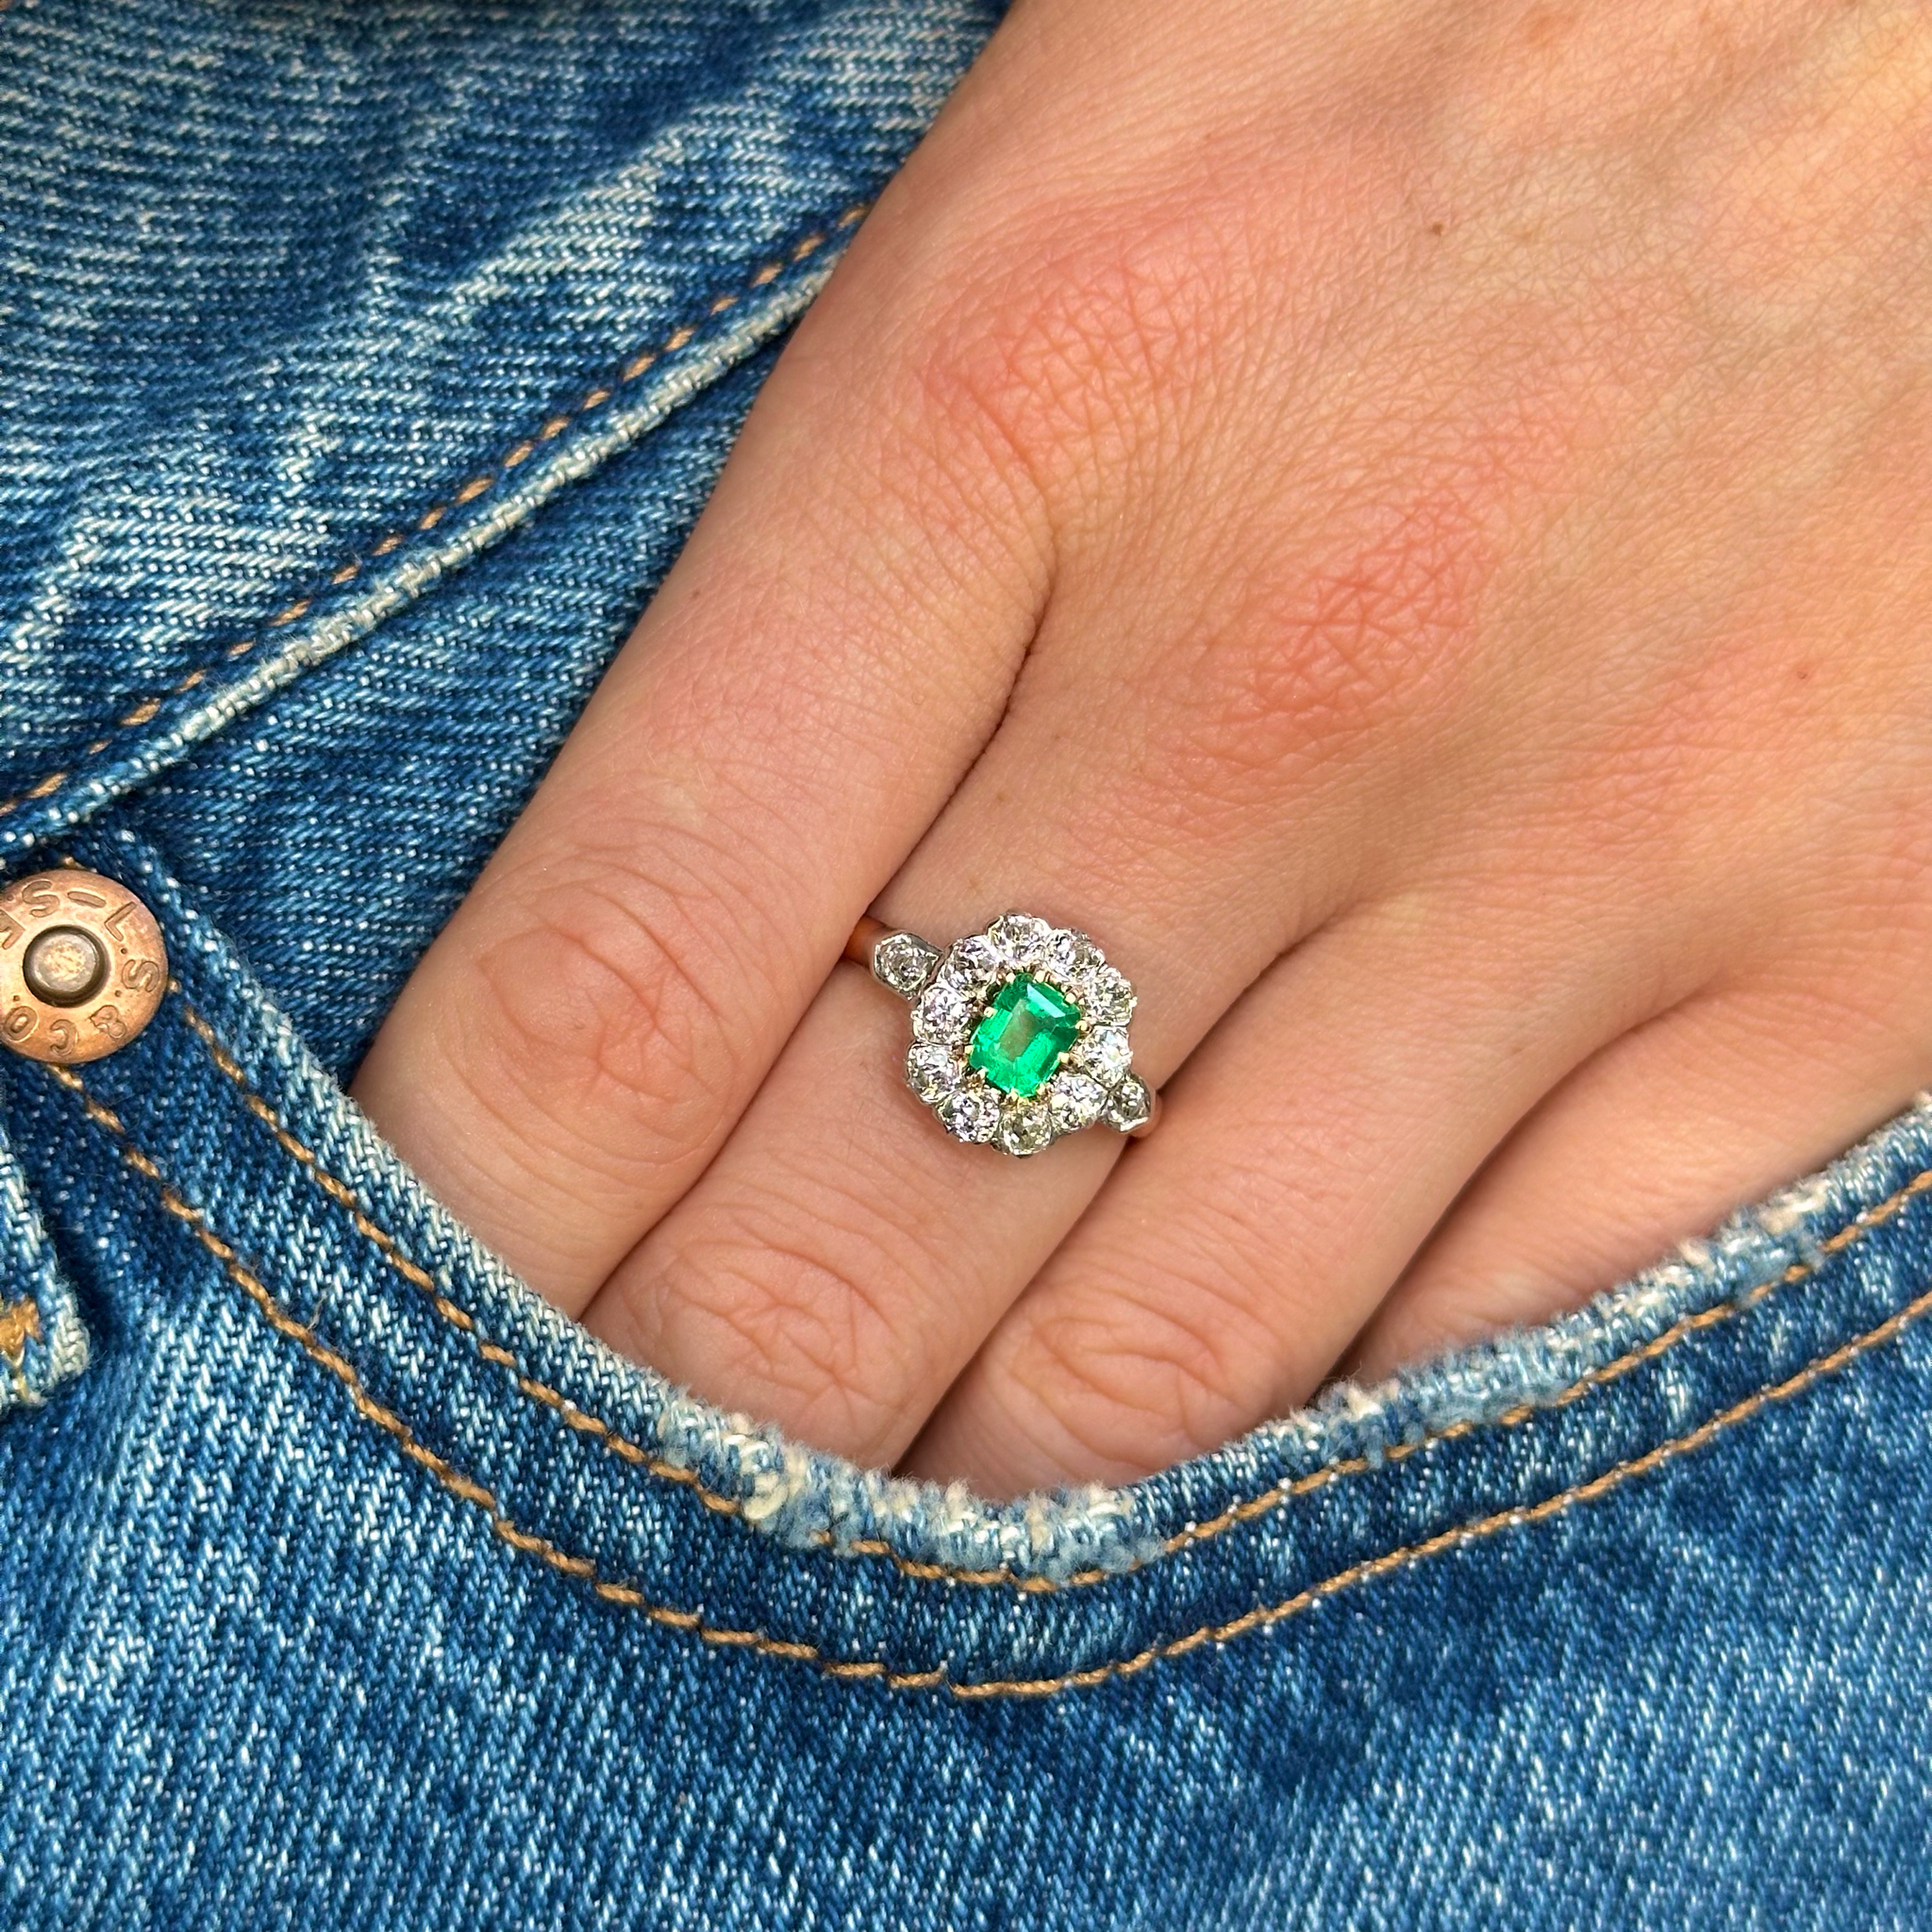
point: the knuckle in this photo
(1143, 1385)
(599, 1017)
(1297, 666)
(1067, 353)
(791, 1320)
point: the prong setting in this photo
(1019, 1033)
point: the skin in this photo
(1410, 522)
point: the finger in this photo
(805, 688)
(1185, 806)
(1658, 1139)
(841, 1258)
(1309, 1146)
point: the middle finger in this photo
(841, 1258)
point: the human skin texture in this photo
(1409, 521)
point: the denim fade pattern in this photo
(361, 368)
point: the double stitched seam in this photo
(1248, 1510)
(463, 1487)
(1252, 1508)
(478, 486)
(581, 1420)
(628, 1597)
(1522, 1516)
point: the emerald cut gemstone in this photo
(1027, 1029)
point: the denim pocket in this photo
(353, 1587)
(396, 1521)
(726, 1535)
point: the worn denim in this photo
(361, 367)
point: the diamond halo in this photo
(1019, 1031)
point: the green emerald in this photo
(1027, 1029)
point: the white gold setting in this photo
(1091, 1082)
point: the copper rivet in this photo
(82, 966)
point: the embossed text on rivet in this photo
(82, 966)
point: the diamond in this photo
(1019, 937)
(1069, 957)
(1027, 1029)
(971, 966)
(1026, 1127)
(1105, 1054)
(932, 1073)
(971, 1114)
(1110, 999)
(940, 1014)
(904, 963)
(1129, 1105)
(1077, 1100)
(1019, 1033)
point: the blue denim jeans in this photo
(361, 367)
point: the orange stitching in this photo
(1521, 1516)
(478, 486)
(1247, 1509)
(852, 1668)
(385, 1243)
(20, 1322)
(463, 1487)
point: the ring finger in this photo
(841, 1260)
(1319, 1135)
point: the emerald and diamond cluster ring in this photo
(1018, 1032)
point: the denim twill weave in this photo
(361, 368)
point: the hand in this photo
(1410, 524)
